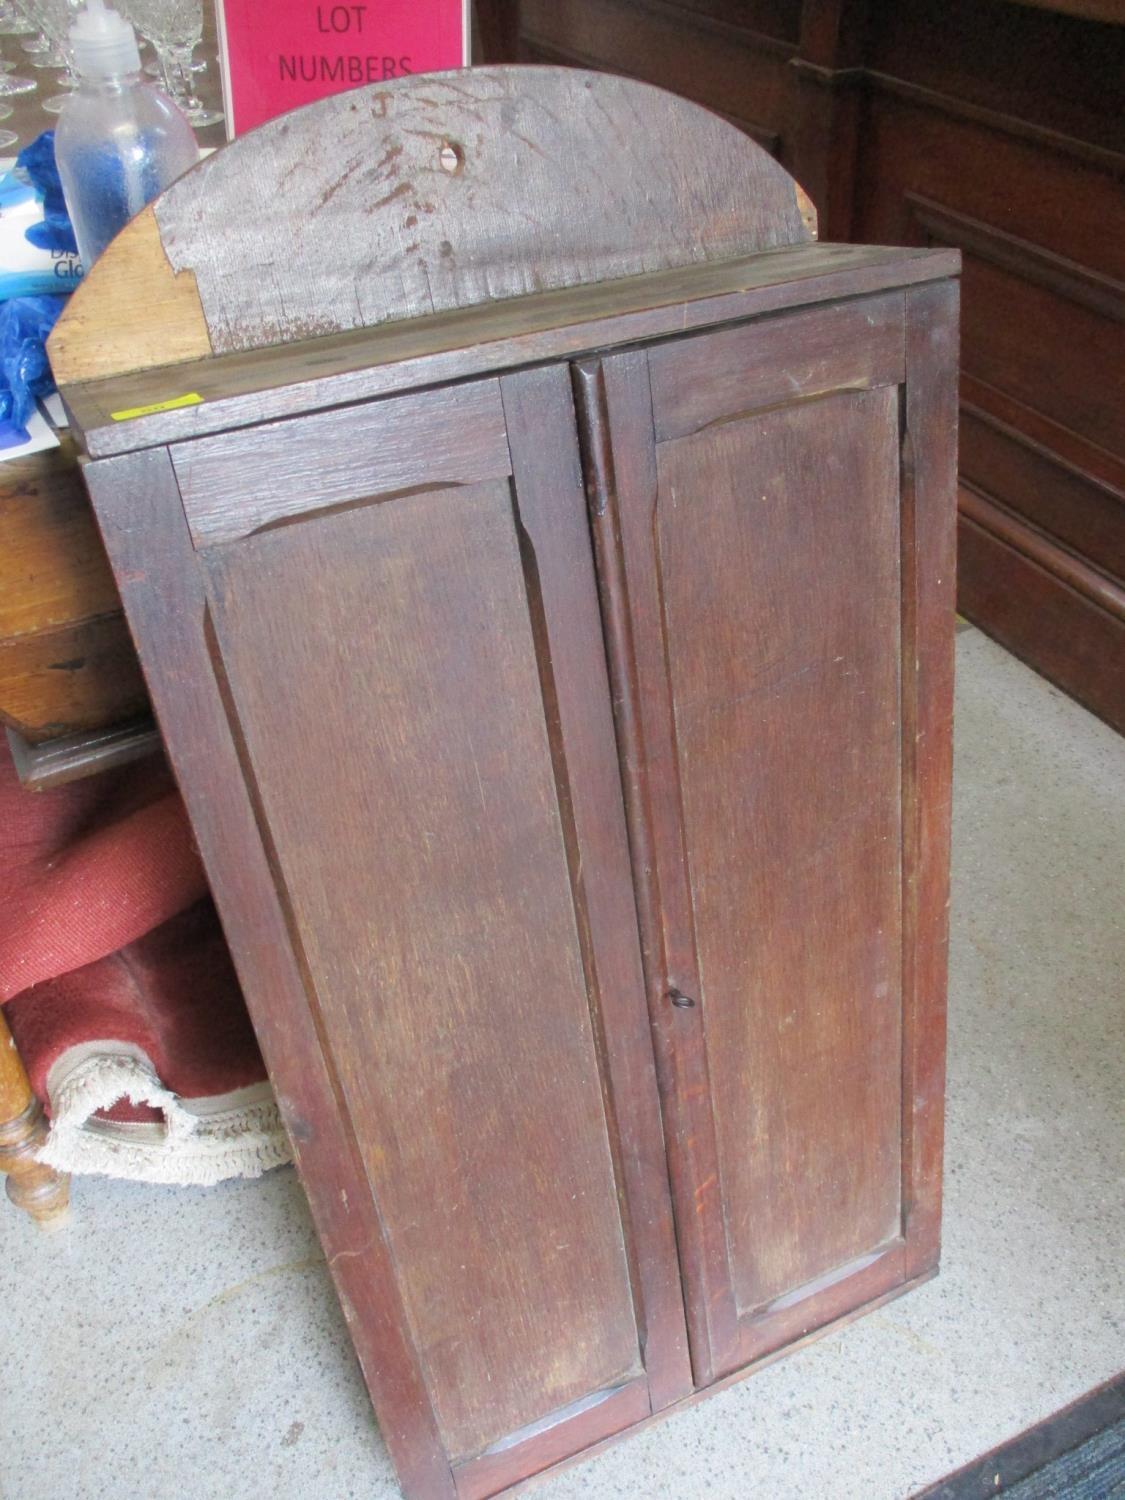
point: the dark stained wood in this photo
(758, 697)
(851, 346)
(551, 504)
(720, 54)
(800, 1341)
(1021, 167)
(1067, 567)
(616, 413)
(782, 676)
(929, 583)
(243, 483)
(1066, 498)
(826, 107)
(608, 1413)
(1063, 632)
(428, 889)
(496, 33)
(240, 390)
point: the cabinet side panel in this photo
(778, 543)
(380, 665)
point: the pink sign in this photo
(291, 52)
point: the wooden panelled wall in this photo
(989, 125)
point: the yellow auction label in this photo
(146, 411)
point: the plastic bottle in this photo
(119, 140)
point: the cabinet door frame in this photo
(155, 507)
(620, 433)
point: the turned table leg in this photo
(42, 1191)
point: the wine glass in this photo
(56, 17)
(12, 23)
(175, 28)
(42, 50)
(9, 84)
(7, 137)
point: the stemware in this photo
(11, 85)
(175, 28)
(12, 22)
(7, 137)
(56, 17)
(42, 50)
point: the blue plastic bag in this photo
(25, 374)
(38, 161)
(38, 253)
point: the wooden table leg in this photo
(42, 1191)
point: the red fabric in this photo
(173, 993)
(87, 868)
(107, 933)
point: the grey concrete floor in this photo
(186, 1344)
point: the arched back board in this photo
(424, 195)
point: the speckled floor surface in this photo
(186, 1345)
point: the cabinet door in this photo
(373, 641)
(773, 506)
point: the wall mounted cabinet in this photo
(559, 683)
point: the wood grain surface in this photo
(70, 679)
(767, 580)
(428, 887)
(238, 390)
(551, 502)
(66, 665)
(929, 482)
(440, 191)
(447, 190)
(851, 345)
(244, 482)
(131, 312)
(39, 1190)
(615, 414)
(778, 560)
(897, 120)
(53, 567)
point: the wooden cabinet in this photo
(560, 689)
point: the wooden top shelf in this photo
(239, 390)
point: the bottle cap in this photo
(103, 44)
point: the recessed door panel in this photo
(395, 729)
(778, 550)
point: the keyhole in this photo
(451, 158)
